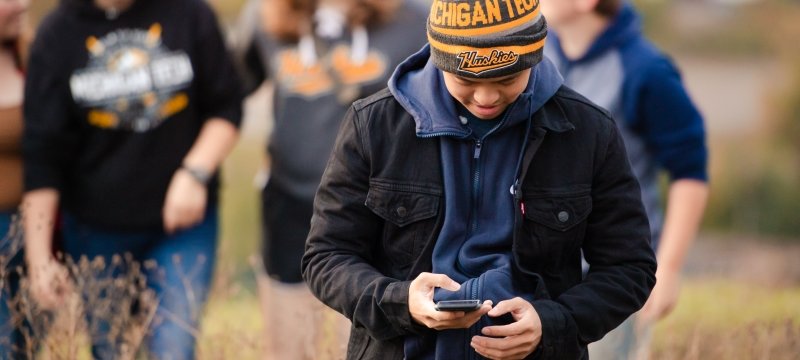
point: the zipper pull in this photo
(478, 145)
(514, 190)
(522, 207)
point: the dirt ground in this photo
(752, 259)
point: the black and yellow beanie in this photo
(486, 38)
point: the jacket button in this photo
(401, 211)
(563, 216)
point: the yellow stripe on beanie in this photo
(458, 49)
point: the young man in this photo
(477, 175)
(600, 51)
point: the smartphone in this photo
(458, 305)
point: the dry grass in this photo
(717, 318)
(722, 319)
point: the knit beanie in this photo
(486, 38)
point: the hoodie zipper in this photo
(476, 185)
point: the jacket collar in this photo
(547, 119)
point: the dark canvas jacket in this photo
(380, 207)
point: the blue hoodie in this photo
(474, 245)
(627, 75)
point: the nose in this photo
(486, 96)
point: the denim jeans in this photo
(13, 327)
(177, 268)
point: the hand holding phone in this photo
(458, 305)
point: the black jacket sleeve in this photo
(50, 138)
(344, 236)
(617, 247)
(244, 43)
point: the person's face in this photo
(558, 12)
(118, 5)
(11, 18)
(487, 98)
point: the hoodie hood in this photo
(418, 85)
(627, 25)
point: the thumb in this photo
(440, 281)
(448, 284)
(507, 306)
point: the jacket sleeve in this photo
(50, 136)
(220, 92)
(244, 42)
(669, 122)
(617, 247)
(338, 260)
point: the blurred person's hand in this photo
(663, 298)
(423, 310)
(50, 284)
(185, 203)
(513, 341)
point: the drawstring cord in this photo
(330, 24)
(359, 48)
(515, 187)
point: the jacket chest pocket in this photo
(410, 215)
(554, 227)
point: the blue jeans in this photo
(13, 326)
(177, 268)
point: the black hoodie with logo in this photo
(114, 101)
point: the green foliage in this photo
(756, 187)
(767, 203)
(787, 129)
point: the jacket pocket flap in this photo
(558, 213)
(401, 207)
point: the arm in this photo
(186, 198)
(673, 129)
(344, 236)
(616, 245)
(220, 109)
(244, 43)
(48, 145)
(49, 279)
(685, 205)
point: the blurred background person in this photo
(321, 56)
(13, 343)
(130, 107)
(599, 48)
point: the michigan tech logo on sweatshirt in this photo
(132, 82)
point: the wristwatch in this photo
(200, 175)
